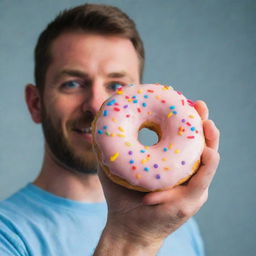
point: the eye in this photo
(115, 85)
(71, 84)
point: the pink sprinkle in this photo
(163, 101)
(183, 102)
(117, 109)
(139, 110)
(180, 93)
(150, 91)
(191, 103)
(190, 137)
(189, 124)
(127, 115)
(127, 97)
(116, 104)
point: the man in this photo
(80, 59)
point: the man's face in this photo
(85, 70)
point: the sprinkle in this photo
(134, 97)
(183, 120)
(113, 119)
(121, 129)
(107, 133)
(127, 97)
(143, 151)
(191, 116)
(170, 146)
(172, 107)
(177, 151)
(163, 101)
(155, 165)
(148, 155)
(158, 176)
(105, 113)
(167, 168)
(135, 101)
(112, 102)
(192, 129)
(146, 169)
(169, 114)
(180, 93)
(105, 127)
(164, 159)
(116, 109)
(119, 92)
(149, 113)
(134, 167)
(183, 102)
(190, 103)
(131, 161)
(144, 104)
(100, 132)
(146, 147)
(139, 110)
(112, 135)
(138, 176)
(146, 96)
(139, 91)
(143, 161)
(175, 112)
(121, 135)
(129, 100)
(190, 137)
(125, 106)
(127, 143)
(183, 162)
(196, 131)
(113, 157)
(157, 97)
(127, 115)
(151, 91)
(130, 152)
(166, 87)
(165, 149)
(188, 123)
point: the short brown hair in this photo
(95, 18)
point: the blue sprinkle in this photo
(105, 113)
(112, 102)
(142, 151)
(100, 132)
(175, 112)
(158, 176)
(165, 149)
(172, 107)
(131, 161)
(144, 104)
(146, 96)
(105, 127)
(192, 128)
(135, 101)
(146, 169)
(134, 97)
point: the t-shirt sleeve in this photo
(10, 244)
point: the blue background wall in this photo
(205, 48)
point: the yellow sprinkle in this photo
(143, 161)
(149, 113)
(158, 97)
(120, 135)
(177, 151)
(139, 91)
(166, 87)
(129, 100)
(170, 114)
(113, 119)
(180, 133)
(167, 168)
(119, 92)
(113, 158)
(191, 116)
(170, 146)
(121, 129)
(127, 143)
(164, 159)
(137, 176)
(146, 147)
(147, 158)
(112, 135)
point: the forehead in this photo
(94, 52)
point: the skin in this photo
(137, 222)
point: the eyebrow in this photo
(120, 74)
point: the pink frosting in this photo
(155, 167)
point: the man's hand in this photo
(139, 222)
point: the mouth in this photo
(84, 130)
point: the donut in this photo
(160, 108)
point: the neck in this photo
(60, 181)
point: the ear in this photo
(33, 100)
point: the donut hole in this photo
(149, 134)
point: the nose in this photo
(96, 96)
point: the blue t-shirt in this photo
(34, 222)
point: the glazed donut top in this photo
(173, 159)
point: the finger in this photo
(201, 181)
(202, 109)
(212, 134)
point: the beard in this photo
(62, 149)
